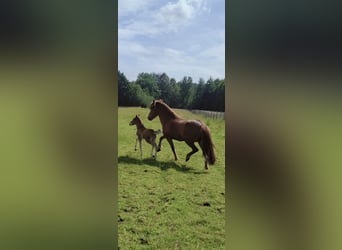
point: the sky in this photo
(178, 37)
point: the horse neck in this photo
(166, 113)
(139, 124)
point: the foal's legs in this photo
(154, 146)
(194, 149)
(140, 148)
(172, 147)
(136, 141)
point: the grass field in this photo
(167, 204)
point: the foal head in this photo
(136, 120)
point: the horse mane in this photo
(169, 111)
(140, 121)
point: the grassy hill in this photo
(168, 204)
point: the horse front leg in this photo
(160, 141)
(173, 148)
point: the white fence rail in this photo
(209, 114)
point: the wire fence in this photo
(209, 114)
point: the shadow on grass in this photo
(155, 163)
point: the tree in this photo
(174, 94)
(220, 95)
(186, 92)
(199, 98)
(138, 97)
(148, 83)
(183, 94)
(163, 82)
(123, 90)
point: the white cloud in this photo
(176, 63)
(132, 48)
(168, 18)
(180, 38)
(126, 7)
(216, 52)
(174, 16)
(174, 11)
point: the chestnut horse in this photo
(190, 131)
(143, 133)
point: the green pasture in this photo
(168, 204)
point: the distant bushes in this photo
(203, 95)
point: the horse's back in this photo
(185, 130)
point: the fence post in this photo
(209, 114)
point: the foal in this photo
(143, 133)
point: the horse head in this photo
(134, 120)
(153, 111)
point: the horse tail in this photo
(207, 145)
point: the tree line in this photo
(204, 95)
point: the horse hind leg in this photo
(154, 148)
(153, 155)
(191, 144)
(205, 157)
(206, 164)
(140, 149)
